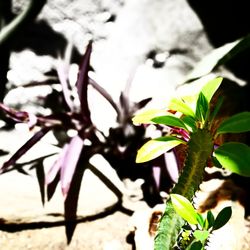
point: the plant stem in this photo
(200, 148)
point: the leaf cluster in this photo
(200, 226)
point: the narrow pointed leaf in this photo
(222, 218)
(55, 168)
(70, 162)
(201, 108)
(71, 201)
(210, 219)
(21, 151)
(170, 121)
(51, 187)
(210, 88)
(235, 157)
(155, 147)
(210, 61)
(41, 179)
(200, 220)
(235, 124)
(82, 84)
(181, 106)
(184, 208)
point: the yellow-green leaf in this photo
(155, 147)
(184, 208)
(147, 115)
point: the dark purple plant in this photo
(118, 148)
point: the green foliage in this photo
(156, 147)
(202, 227)
(195, 128)
(180, 106)
(170, 121)
(235, 124)
(235, 157)
(184, 208)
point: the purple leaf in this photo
(82, 85)
(172, 165)
(21, 151)
(51, 187)
(71, 201)
(40, 177)
(19, 116)
(70, 162)
(157, 176)
(55, 168)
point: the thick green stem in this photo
(200, 149)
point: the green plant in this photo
(196, 233)
(191, 121)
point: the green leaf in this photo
(170, 121)
(184, 208)
(189, 122)
(155, 147)
(209, 89)
(235, 124)
(210, 61)
(200, 220)
(235, 157)
(201, 108)
(222, 218)
(147, 115)
(201, 235)
(180, 106)
(196, 245)
(210, 219)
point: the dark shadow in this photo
(43, 40)
(225, 21)
(17, 226)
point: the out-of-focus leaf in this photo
(54, 169)
(155, 147)
(69, 163)
(41, 179)
(184, 208)
(170, 121)
(209, 62)
(144, 102)
(82, 85)
(201, 235)
(106, 180)
(51, 187)
(147, 116)
(71, 201)
(106, 95)
(196, 245)
(235, 157)
(209, 89)
(200, 220)
(31, 142)
(210, 219)
(235, 124)
(180, 106)
(222, 218)
(18, 116)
